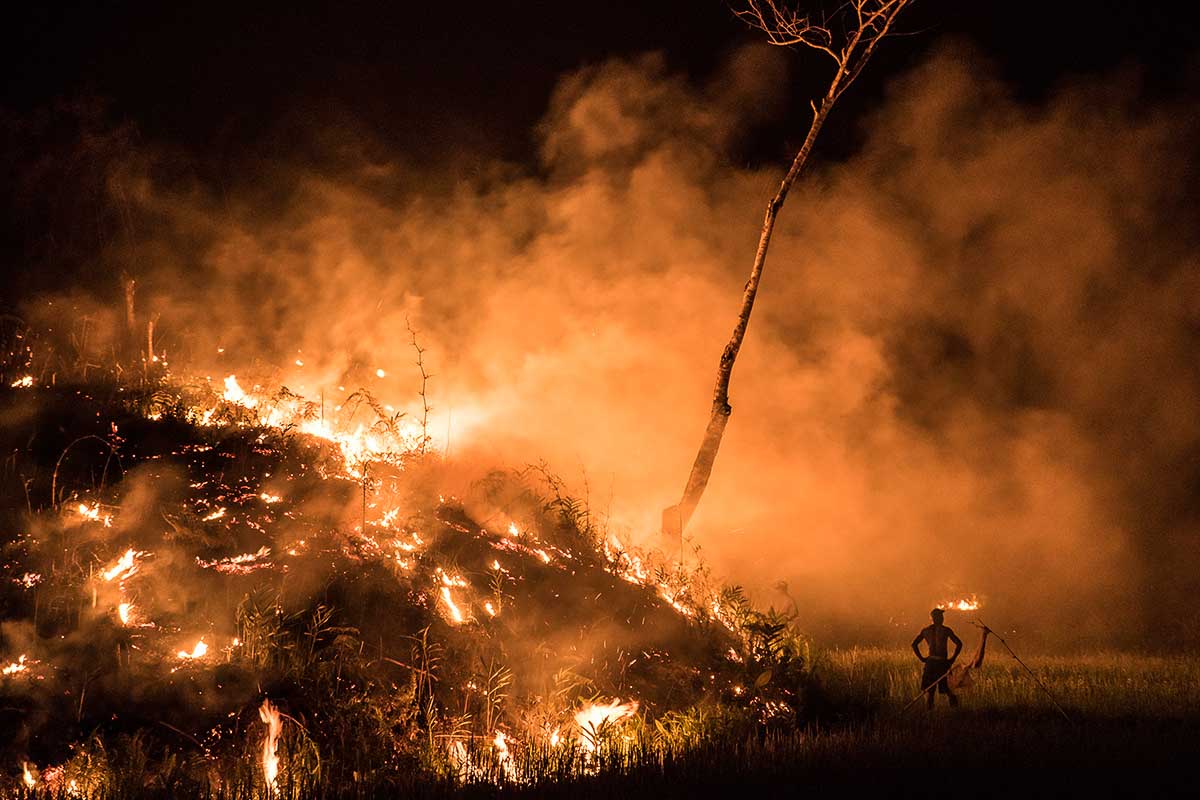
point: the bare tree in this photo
(848, 36)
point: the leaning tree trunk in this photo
(676, 517)
(868, 22)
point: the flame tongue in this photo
(125, 567)
(197, 652)
(269, 714)
(592, 717)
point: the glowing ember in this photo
(380, 373)
(673, 599)
(220, 512)
(242, 564)
(269, 498)
(489, 608)
(594, 716)
(197, 652)
(125, 567)
(269, 714)
(23, 383)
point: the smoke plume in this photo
(971, 370)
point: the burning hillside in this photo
(253, 592)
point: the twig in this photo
(54, 477)
(425, 376)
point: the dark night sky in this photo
(237, 90)
(221, 77)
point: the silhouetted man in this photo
(937, 664)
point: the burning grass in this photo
(214, 589)
(210, 592)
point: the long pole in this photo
(1033, 675)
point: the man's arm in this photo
(916, 645)
(957, 643)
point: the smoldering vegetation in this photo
(178, 576)
(972, 368)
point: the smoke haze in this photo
(971, 368)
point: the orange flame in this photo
(235, 394)
(594, 716)
(15, 667)
(971, 603)
(197, 652)
(269, 714)
(125, 567)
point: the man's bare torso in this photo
(936, 637)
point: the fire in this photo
(455, 612)
(235, 394)
(242, 564)
(500, 743)
(92, 514)
(970, 603)
(125, 612)
(23, 383)
(513, 530)
(197, 652)
(17, 666)
(28, 777)
(594, 716)
(269, 714)
(125, 567)
(220, 512)
(269, 498)
(489, 608)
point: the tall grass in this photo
(1126, 711)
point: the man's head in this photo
(937, 615)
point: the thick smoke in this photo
(971, 368)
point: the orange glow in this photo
(269, 714)
(125, 566)
(594, 716)
(198, 651)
